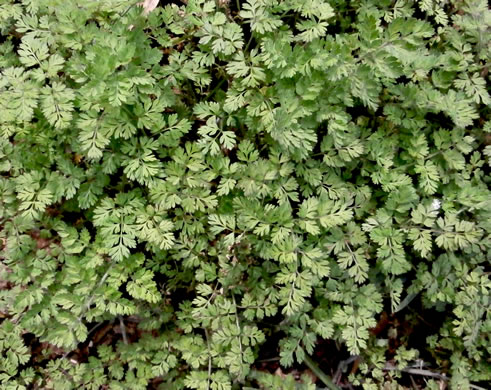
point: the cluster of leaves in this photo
(224, 173)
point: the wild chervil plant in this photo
(211, 175)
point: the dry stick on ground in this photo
(419, 371)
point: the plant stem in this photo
(215, 89)
(319, 373)
(123, 330)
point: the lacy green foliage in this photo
(219, 176)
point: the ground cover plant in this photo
(258, 194)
